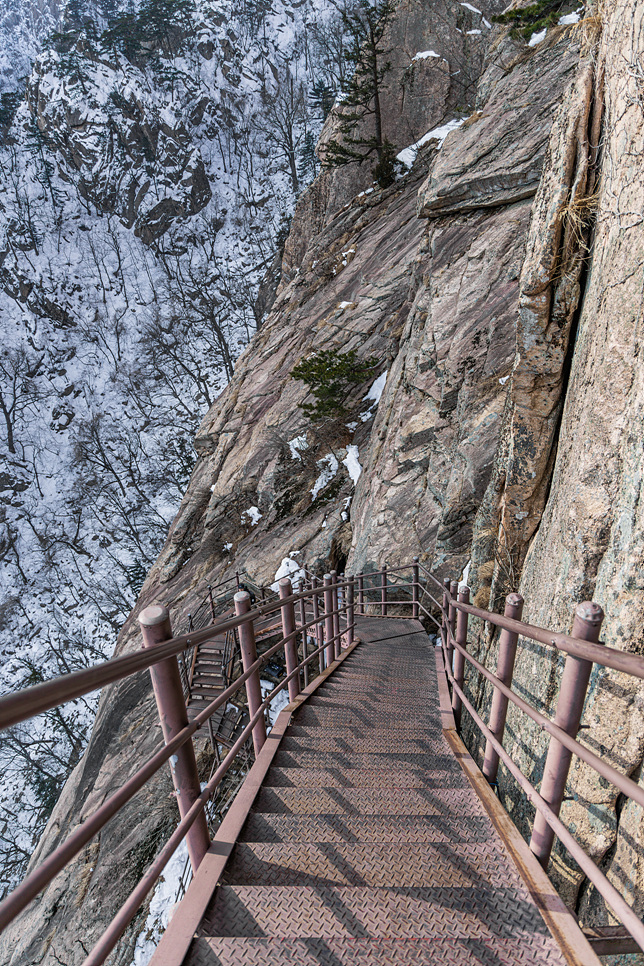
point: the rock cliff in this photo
(496, 290)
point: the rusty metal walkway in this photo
(366, 834)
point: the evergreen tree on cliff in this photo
(365, 25)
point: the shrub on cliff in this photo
(330, 377)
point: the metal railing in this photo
(583, 650)
(322, 616)
(333, 625)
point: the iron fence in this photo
(315, 623)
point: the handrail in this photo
(598, 653)
(588, 867)
(582, 653)
(334, 623)
(18, 706)
(603, 768)
(128, 910)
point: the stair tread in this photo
(372, 760)
(479, 911)
(367, 801)
(338, 777)
(336, 951)
(278, 827)
(376, 864)
(391, 745)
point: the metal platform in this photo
(367, 836)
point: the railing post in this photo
(361, 594)
(444, 620)
(237, 580)
(504, 671)
(166, 683)
(383, 590)
(249, 656)
(288, 628)
(570, 706)
(349, 611)
(453, 590)
(305, 649)
(337, 647)
(459, 659)
(212, 603)
(328, 620)
(319, 637)
(415, 589)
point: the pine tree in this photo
(365, 25)
(322, 98)
(308, 159)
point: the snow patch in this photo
(288, 568)
(470, 32)
(537, 38)
(408, 155)
(469, 6)
(354, 469)
(424, 54)
(569, 18)
(465, 575)
(345, 305)
(329, 467)
(503, 380)
(297, 446)
(162, 904)
(277, 703)
(377, 388)
(373, 396)
(253, 515)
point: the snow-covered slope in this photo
(146, 185)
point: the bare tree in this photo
(20, 391)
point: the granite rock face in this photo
(436, 52)
(589, 539)
(440, 420)
(508, 353)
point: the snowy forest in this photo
(151, 154)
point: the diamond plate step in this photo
(432, 913)
(275, 827)
(540, 951)
(363, 801)
(372, 761)
(377, 731)
(365, 705)
(390, 745)
(338, 717)
(374, 864)
(334, 777)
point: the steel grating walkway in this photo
(366, 842)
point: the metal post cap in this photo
(153, 615)
(463, 589)
(514, 599)
(327, 576)
(590, 612)
(241, 595)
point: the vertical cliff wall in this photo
(579, 409)
(502, 351)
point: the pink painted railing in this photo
(324, 613)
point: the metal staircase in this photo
(364, 833)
